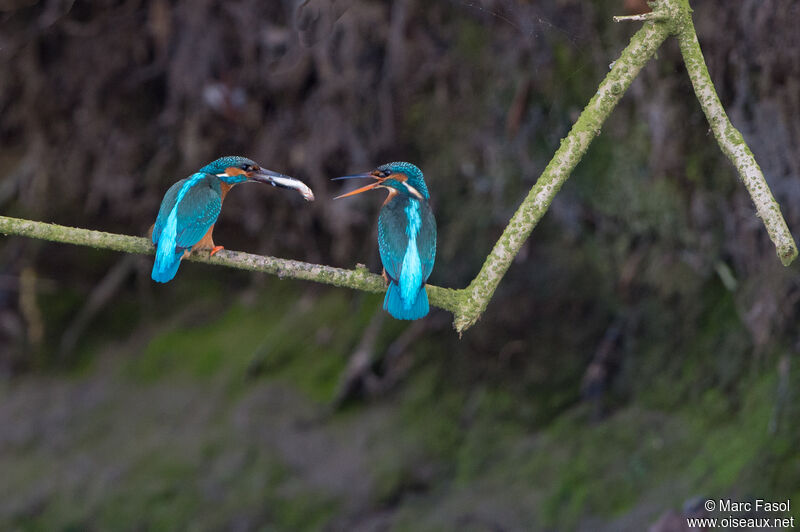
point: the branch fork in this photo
(669, 17)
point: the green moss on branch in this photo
(467, 305)
(633, 58)
(732, 142)
(358, 279)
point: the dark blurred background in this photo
(639, 356)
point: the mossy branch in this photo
(634, 57)
(670, 17)
(358, 279)
(732, 142)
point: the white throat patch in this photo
(414, 191)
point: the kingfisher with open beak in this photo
(191, 206)
(406, 237)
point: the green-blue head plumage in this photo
(400, 177)
(234, 169)
(239, 166)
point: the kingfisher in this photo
(406, 237)
(191, 206)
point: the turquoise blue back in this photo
(407, 244)
(189, 209)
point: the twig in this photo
(399, 357)
(358, 366)
(642, 17)
(98, 299)
(29, 306)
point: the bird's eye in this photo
(247, 167)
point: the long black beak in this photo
(262, 175)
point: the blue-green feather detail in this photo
(198, 211)
(413, 175)
(188, 211)
(407, 244)
(411, 270)
(217, 168)
(394, 305)
(166, 208)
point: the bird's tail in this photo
(394, 305)
(168, 255)
(166, 266)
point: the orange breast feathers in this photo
(225, 187)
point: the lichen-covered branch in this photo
(358, 279)
(670, 17)
(641, 48)
(732, 142)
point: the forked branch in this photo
(669, 17)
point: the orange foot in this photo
(216, 249)
(385, 276)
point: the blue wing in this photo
(426, 240)
(198, 206)
(189, 209)
(197, 212)
(166, 207)
(393, 238)
(407, 243)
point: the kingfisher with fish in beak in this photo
(191, 206)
